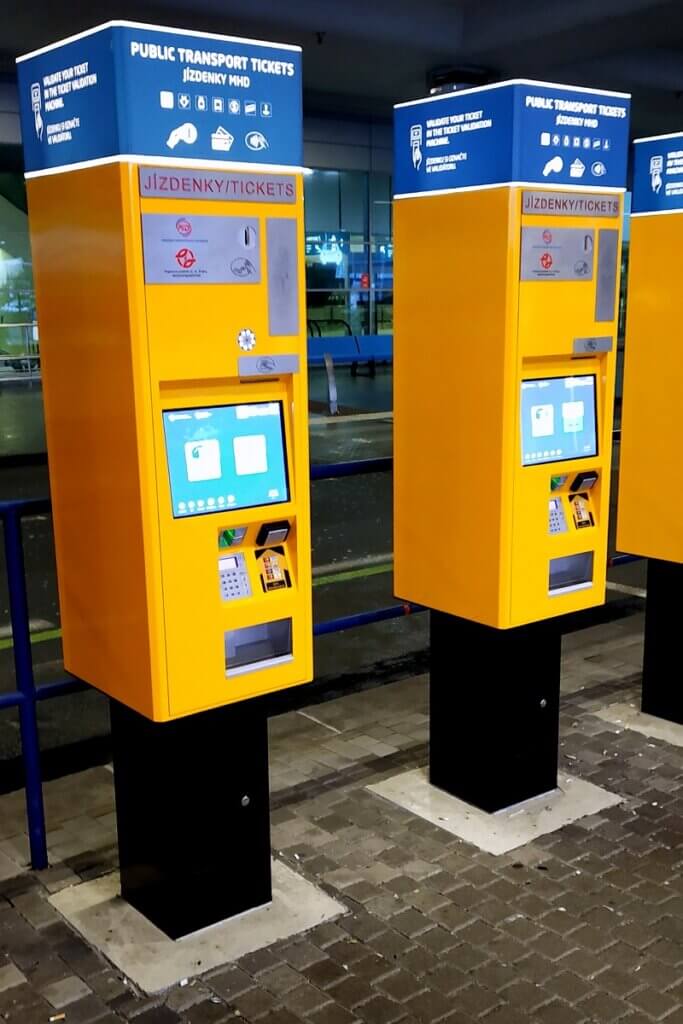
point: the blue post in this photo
(23, 666)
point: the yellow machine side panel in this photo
(89, 312)
(455, 309)
(649, 517)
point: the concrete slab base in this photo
(506, 830)
(628, 716)
(154, 962)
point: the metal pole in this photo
(23, 666)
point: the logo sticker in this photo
(185, 258)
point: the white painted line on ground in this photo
(623, 588)
(312, 718)
(356, 417)
(34, 625)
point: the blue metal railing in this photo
(27, 695)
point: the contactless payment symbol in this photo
(547, 236)
(183, 226)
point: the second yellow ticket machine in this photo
(650, 525)
(507, 222)
(165, 204)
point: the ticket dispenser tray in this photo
(251, 648)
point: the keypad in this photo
(557, 522)
(233, 578)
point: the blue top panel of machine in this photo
(518, 131)
(658, 174)
(124, 89)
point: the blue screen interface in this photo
(226, 457)
(558, 419)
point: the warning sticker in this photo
(557, 254)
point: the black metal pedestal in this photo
(193, 815)
(662, 688)
(494, 710)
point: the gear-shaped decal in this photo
(246, 339)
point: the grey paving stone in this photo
(230, 982)
(585, 925)
(158, 1015)
(206, 1012)
(10, 977)
(86, 1011)
(306, 998)
(253, 1003)
(61, 993)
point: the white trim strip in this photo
(509, 184)
(154, 28)
(511, 81)
(655, 213)
(571, 589)
(656, 138)
(167, 161)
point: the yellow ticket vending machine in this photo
(507, 219)
(165, 204)
(650, 448)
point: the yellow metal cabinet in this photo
(165, 608)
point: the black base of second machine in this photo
(494, 710)
(193, 817)
(662, 690)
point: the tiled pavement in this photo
(586, 924)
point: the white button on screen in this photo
(250, 454)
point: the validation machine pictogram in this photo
(172, 315)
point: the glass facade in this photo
(349, 261)
(17, 301)
(349, 252)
